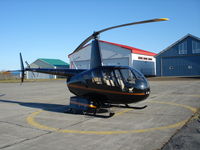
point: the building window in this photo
(189, 67)
(195, 47)
(171, 67)
(182, 48)
(144, 58)
(140, 57)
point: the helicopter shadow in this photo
(58, 108)
(44, 106)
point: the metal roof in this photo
(54, 62)
(132, 49)
(183, 38)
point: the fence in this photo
(8, 75)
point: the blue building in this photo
(182, 58)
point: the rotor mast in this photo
(96, 57)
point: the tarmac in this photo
(33, 116)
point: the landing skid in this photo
(85, 106)
(106, 107)
(100, 112)
(133, 107)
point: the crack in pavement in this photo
(19, 125)
(24, 140)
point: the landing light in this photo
(92, 106)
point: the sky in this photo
(54, 28)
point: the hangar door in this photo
(85, 64)
(145, 67)
(116, 61)
(36, 75)
(180, 66)
(82, 64)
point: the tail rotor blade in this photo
(22, 68)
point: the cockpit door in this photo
(128, 76)
(119, 78)
(109, 78)
(125, 78)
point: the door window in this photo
(97, 76)
(128, 76)
(109, 77)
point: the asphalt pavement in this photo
(33, 116)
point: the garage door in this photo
(107, 62)
(116, 61)
(145, 67)
(81, 64)
(181, 66)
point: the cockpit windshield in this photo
(125, 78)
(137, 73)
(120, 77)
(128, 76)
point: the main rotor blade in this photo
(84, 42)
(95, 34)
(134, 23)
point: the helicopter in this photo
(101, 84)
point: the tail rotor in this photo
(22, 68)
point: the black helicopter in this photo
(102, 84)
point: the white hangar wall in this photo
(111, 55)
(114, 55)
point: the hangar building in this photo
(45, 63)
(116, 54)
(182, 58)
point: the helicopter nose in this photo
(147, 92)
(143, 85)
